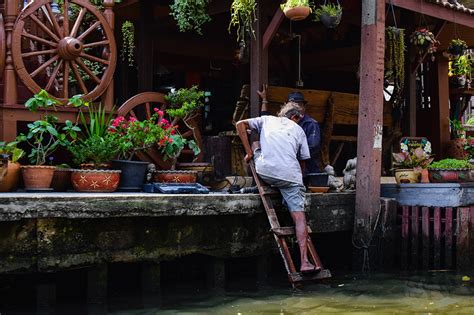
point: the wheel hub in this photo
(70, 48)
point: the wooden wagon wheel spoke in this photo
(39, 52)
(78, 77)
(44, 27)
(52, 17)
(39, 39)
(53, 75)
(66, 46)
(87, 70)
(75, 28)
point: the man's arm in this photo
(263, 95)
(242, 127)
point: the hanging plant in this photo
(395, 57)
(242, 17)
(296, 10)
(457, 47)
(425, 41)
(329, 14)
(190, 15)
(128, 42)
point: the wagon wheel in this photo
(141, 107)
(73, 49)
(2, 45)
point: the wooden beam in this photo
(258, 63)
(440, 104)
(370, 121)
(272, 28)
(144, 55)
(437, 11)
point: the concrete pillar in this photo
(150, 283)
(216, 275)
(97, 290)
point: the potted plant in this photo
(44, 137)
(459, 69)
(242, 17)
(450, 171)
(96, 151)
(329, 14)
(455, 146)
(411, 162)
(296, 10)
(190, 15)
(12, 175)
(425, 41)
(457, 47)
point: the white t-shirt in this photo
(282, 142)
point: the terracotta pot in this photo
(11, 179)
(182, 177)
(37, 176)
(425, 178)
(407, 176)
(455, 149)
(205, 171)
(95, 180)
(61, 179)
(297, 13)
(449, 175)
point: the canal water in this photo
(427, 293)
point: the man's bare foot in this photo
(309, 267)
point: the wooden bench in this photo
(330, 109)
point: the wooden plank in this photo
(471, 236)
(448, 238)
(425, 227)
(272, 28)
(462, 239)
(437, 11)
(415, 237)
(301, 277)
(437, 238)
(287, 230)
(370, 118)
(405, 227)
(258, 63)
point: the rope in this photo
(366, 245)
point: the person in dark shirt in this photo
(310, 127)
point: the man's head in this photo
(298, 97)
(291, 110)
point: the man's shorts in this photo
(293, 193)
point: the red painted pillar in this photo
(108, 96)
(9, 76)
(369, 132)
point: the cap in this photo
(296, 97)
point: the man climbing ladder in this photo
(279, 159)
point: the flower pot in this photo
(95, 180)
(455, 149)
(457, 82)
(297, 13)
(407, 176)
(330, 21)
(37, 177)
(11, 178)
(133, 174)
(92, 166)
(61, 179)
(182, 177)
(449, 175)
(205, 171)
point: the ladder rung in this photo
(287, 230)
(300, 277)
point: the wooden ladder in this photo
(280, 233)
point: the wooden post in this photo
(216, 275)
(45, 297)
(415, 223)
(262, 271)
(144, 57)
(448, 238)
(389, 234)
(462, 239)
(369, 132)
(425, 228)
(258, 63)
(440, 106)
(97, 289)
(405, 229)
(151, 287)
(108, 96)
(10, 96)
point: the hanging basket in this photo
(297, 13)
(330, 21)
